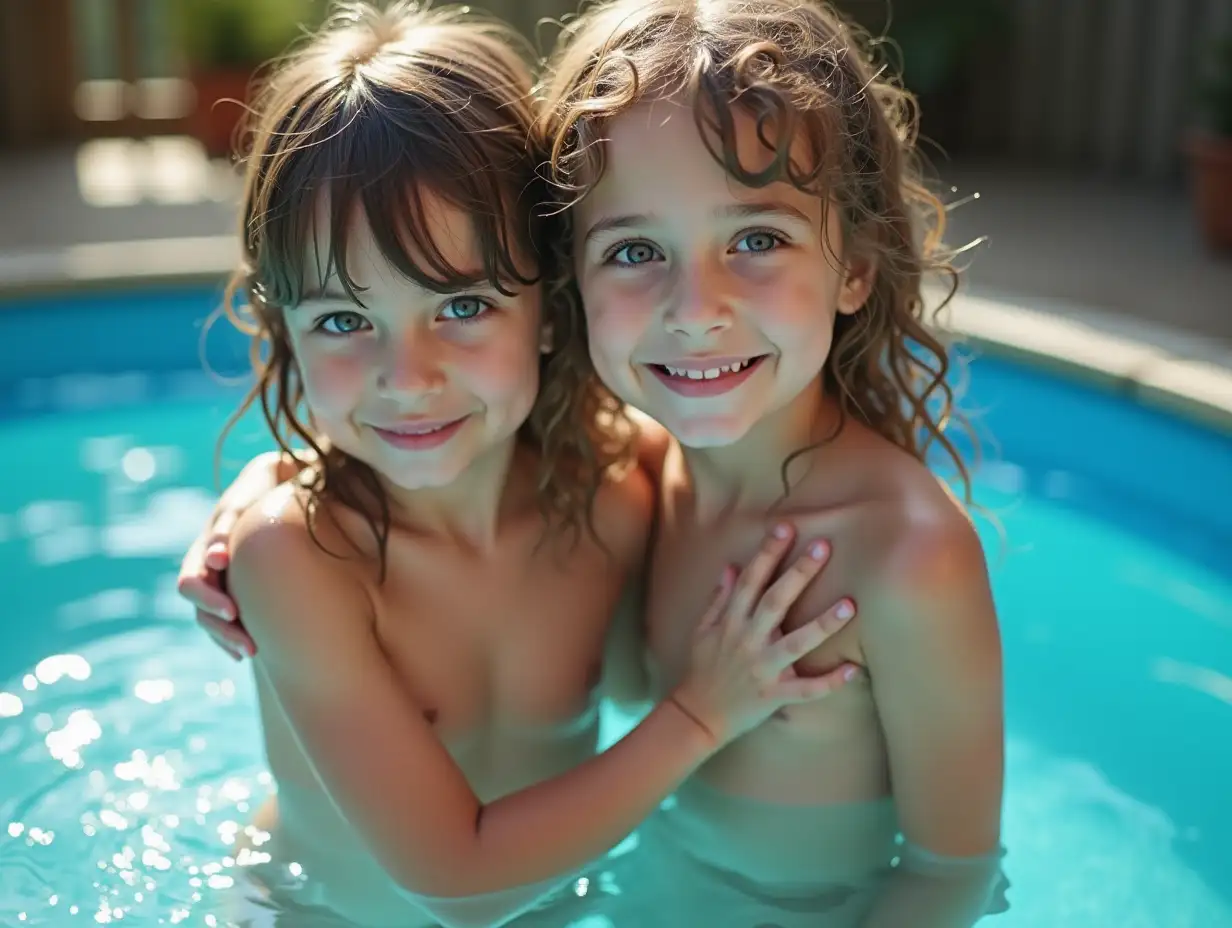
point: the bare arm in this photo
(202, 577)
(934, 656)
(382, 764)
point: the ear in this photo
(858, 279)
(547, 338)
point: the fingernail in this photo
(782, 530)
(819, 550)
(846, 609)
(850, 672)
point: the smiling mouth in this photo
(710, 373)
(420, 435)
(706, 382)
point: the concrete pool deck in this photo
(1092, 278)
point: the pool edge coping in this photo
(1157, 366)
(1167, 369)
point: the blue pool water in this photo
(129, 753)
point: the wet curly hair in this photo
(374, 109)
(803, 73)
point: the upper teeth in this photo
(709, 373)
(428, 431)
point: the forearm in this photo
(929, 891)
(558, 826)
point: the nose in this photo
(410, 367)
(699, 305)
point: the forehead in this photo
(425, 217)
(655, 155)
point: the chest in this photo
(508, 643)
(685, 568)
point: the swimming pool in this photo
(129, 753)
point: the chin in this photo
(422, 478)
(710, 432)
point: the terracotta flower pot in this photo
(1210, 159)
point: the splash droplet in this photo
(154, 691)
(138, 465)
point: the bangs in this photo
(390, 158)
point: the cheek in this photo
(333, 381)
(502, 370)
(797, 315)
(616, 321)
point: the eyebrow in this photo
(331, 294)
(326, 295)
(733, 211)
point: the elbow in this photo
(448, 876)
(426, 886)
(466, 920)
(455, 904)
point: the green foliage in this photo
(1215, 90)
(241, 34)
(934, 37)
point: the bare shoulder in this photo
(652, 444)
(275, 529)
(923, 572)
(283, 579)
(925, 533)
(624, 512)
(903, 541)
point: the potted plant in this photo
(224, 43)
(1210, 151)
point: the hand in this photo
(202, 579)
(741, 670)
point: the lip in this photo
(716, 386)
(703, 364)
(420, 434)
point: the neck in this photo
(470, 509)
(748, 474)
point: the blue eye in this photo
(465, 308)
(635, 253)
(760, 241)
(342, 323)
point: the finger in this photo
(810, 689)
(233, 633)
(722, 595)
(229, 635)
(223, 527)
(795, 644)
(217, 557)
(194, 557)
(784, 592)
(757, 574)
(204, 593)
